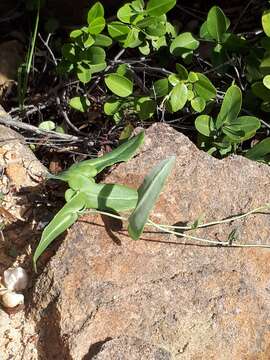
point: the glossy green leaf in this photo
(160, 87)
(80, 103)
(183, 44)
(111, 106)
(102, 40)
(205, 125)
(204, 87)
(124, 152)
(96, 26)
(159, 7)
(118, 30)
(266, 81)
(233, 132)
(230, 107)
(61, 221)
(148, 193)
(217, 23)
(266, 22)
(174, 79)
(246, 125)
(84, 74)
(204, 33)
(47, 125)
(198, 104)
(132, 40)
(119, 85)
(112, 197)
(181, 71)
(125, 12)
(96, 11)
(259, 151)
(95, 55)
(145, 48)
(178, 97)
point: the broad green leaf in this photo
(190, 95)
(146, 107)
(234, 133)
(193, 77)
(261, 91)
(98, 67)
(80, 182)
(95, 55)
(205, 125)
(118, 30)
(145, 48)
(75, 34)
(119, 85)
(247, 125)
(159, 7)
(89, 42)
(47, 125)
(259, 151)
(96, 26)
(148, 193)
(204, 33)
(83, 73)
(217, 23)
(181, 71)
(132, 40)
(122, 69)
(160, 87)
(81, 168)
(124, 152)
(137, 5)
(80, 103)
(204, 88)
(266, 22)
(95, 12)
(111, 197)
(90, 168)
(111, 106)
(198, 104)
(124, 13)
(178, 97)
(174, 79)
(183, 44)
(266, 81)
(69, 194)
(61, 221)
(230, 107)
(102, 40)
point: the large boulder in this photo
(105, 296)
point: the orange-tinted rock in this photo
(104, 296)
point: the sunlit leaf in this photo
(148, 193)
(119, 85)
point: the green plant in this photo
(84, 55)
(84, 193)
(24, 69)
(143, 26)
(227, 130)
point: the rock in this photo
(132, 348)
(168, 298)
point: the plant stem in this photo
(166, 228)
